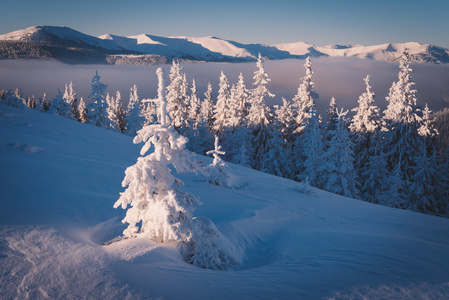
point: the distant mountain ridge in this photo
(70, 46)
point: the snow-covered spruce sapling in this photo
(218, 169)
(157, 209)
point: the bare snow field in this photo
(59, 180)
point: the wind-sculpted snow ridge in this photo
(294, 241)
(70, 46)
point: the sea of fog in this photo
(341, 78)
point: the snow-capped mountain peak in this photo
(78, 47)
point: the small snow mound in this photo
(105, 232)
(24, 147)
(141, 250)
(208, 248)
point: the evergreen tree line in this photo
(396, 158)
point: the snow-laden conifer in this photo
(70, 98)
(402, 97)
(286, 125)
(44, 104)
(309, 150)
(259, 113)
(375, 179)
(337, 169)
(13, 99)
(221, 109)
(159, 211)
(59, 106)
(240, 153)
(177, 99)
(194, 108)
(259, 116)
(442, 126)
(396, 194)
(331, 121)
(428, 130)
(218, 169)
(241, 100)
(366, 118)
(116, 113)
(305, 99)
(365, 127)
(82, 111)
(429, 185)
(207, 107)
(402, 144)
(134, 119)
(200, 137)
(97, 108)
(285, 118)
(275, 159)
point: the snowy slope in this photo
(210, 49)
(39, 34)
(59, 180)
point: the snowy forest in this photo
(398, 157)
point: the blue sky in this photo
(246, 21)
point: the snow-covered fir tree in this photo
(331, 121)
(207, 107)
(97, 108)
(13, 99)
(441, 119)
(44, 104)
(428, 130)
(218, 169)
(221, 108)
(177, 100)
(259, 116)
(157, 209)
(286, 125)
(429, 185)
(310, 150)
(59, 106)
(366, 118)
(116, 113)
(275, 159)
(134, 119)
(235, 114)
(337, 169)
(240, 153)
(30, 102)
(402, 97)
(365, 127)
(82, 111)
(200, 137)
(402, 142)
(285, 118)
(305, 99)
(70, 98)
(375, 182)
(394, 195)
(194, 108)
(241, 99)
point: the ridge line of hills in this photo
(73, 47)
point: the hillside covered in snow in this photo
(70, 46)
(60, 178)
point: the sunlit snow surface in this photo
(59, 180)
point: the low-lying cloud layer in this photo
(341, 78)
